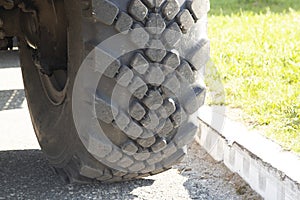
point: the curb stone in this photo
(264, 165)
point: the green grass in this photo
(255, 46)
(228, 7)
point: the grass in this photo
(256, 50)
(228, 7)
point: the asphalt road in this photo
(26, 174)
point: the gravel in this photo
(26, 174)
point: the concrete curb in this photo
(264, 165)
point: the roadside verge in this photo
(271, 171)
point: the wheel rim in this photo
(48, 41)
(55, 86)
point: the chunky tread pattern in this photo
(153, 100)
(139, 63)
(138, 10)
(154, 3)
(185, 20)
(171, 9)
(124, 22)
(105, 11)
(172, 35)
(198, 8)
(156, 124)
(155, 24)
(137, 111)
(186, 72)
(140, 36)
(156, 52)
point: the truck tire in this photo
(145, 101)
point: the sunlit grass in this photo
(257, 54)
(228, 7)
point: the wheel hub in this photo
(46, 33)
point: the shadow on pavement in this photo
(11, 99)
(27, 175)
